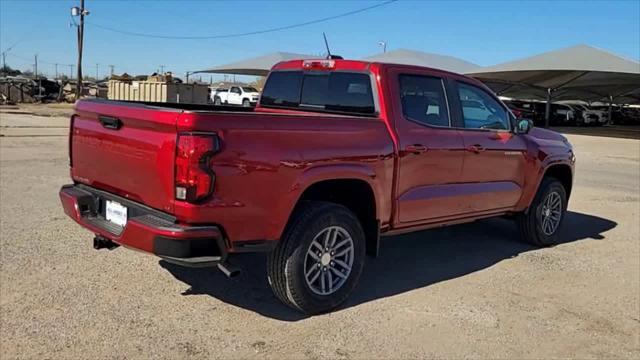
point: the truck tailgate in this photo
(127, 149)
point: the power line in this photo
(39, 60)
(131, 33)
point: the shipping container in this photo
(149, 91)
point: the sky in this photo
(482, 32)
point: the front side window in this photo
(480, 110)
(423, 100)
(341, 92)
(235, 90)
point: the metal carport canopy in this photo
(419, 58)
(257, 66)
(576, 73)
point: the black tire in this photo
(530, 221)
(246, 103)
(286, 264)
(217, 101)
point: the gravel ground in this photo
(466, 291)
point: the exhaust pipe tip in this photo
(229, 270)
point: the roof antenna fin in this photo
(326, 44)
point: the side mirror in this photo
(523, 126)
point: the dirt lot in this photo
(466, 291)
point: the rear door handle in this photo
(416, 148)
(477, 148)
(109, 122)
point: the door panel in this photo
(500, 160)
(422, 175)
(440, 200)
(494, 157)
(234, 96)
(430, 156)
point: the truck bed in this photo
(259, 150)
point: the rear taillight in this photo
(194, 177)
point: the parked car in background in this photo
(562, 115)
(630, 116)
(521, 109)
(237, 95)
(588, 116)
(337, 154)
(214, 94)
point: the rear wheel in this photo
(540, 224)
(319, 259)
(217, 101)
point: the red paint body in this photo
(269, 157)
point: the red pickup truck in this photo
(337, 154)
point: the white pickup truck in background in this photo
(236, 95)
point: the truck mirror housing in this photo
(523, 126)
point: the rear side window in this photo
(341, 92)
(423, 100)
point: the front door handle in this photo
(416, 149)
(477, 148)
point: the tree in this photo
(8, 71)
(259, 82)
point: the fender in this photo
(316, 174)
(542, 167)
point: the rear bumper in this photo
(146, 229)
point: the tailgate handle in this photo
(110, 122)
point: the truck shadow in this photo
(407, 262)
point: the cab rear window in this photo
(340, 92)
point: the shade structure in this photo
(418, 58)
(580, 72)
(257, 66)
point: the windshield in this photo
(249, 89)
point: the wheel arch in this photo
(350, 186)
(564, 174)
(560, 169)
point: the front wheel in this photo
(540, 224)
(319, 259)
(246, 103)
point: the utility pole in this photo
(4, 55)
(38, 78)
(161, 69)
(384, 46)
(35, 67)
(56, 71)
(111, 71)
(81, 12)
(70, 71)
(97, 67)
